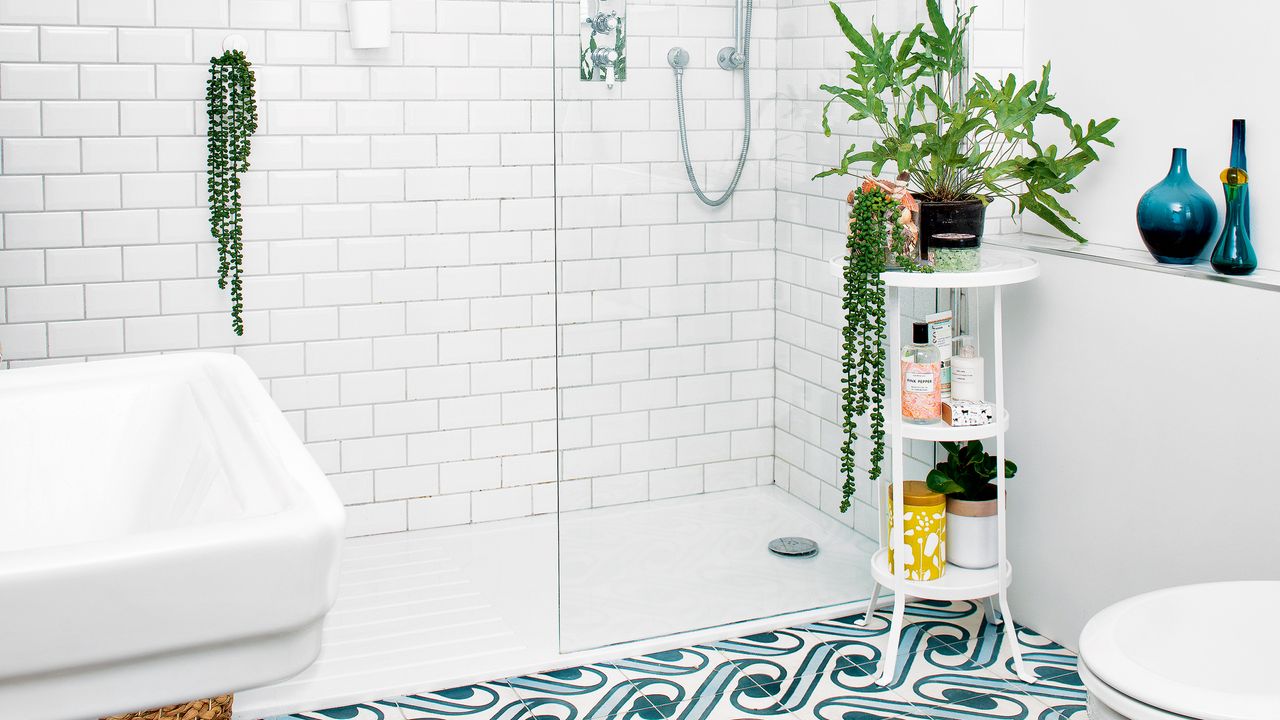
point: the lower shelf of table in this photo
(956, 583)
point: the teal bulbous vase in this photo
(1176, 217)
(1233, 255)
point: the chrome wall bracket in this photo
(730, 58)
(603, 41)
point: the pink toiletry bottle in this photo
(921, 378)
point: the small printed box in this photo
(966, 413)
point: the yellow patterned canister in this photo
(924, 530)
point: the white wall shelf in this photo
(999, 268)
(1261, 279)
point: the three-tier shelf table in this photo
(999, 268)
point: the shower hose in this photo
(746, 120)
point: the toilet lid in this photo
(1208, 651)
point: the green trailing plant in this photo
(874, 235)
(976, 143)
(233, 119)
(967, 472)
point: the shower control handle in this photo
(606, 58)
(602, 23)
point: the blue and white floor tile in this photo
(953, 665)
(492, 701)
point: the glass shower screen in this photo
(665, 322)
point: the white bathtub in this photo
(164, 536)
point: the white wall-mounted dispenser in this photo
(369, 23)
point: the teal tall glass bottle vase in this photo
(1233, 255)
(1240, 160)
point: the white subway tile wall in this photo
(666, 309)
(811, 217)
(401, 245)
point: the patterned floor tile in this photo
(362, 711)
(744, 702)
(985, 642)
(1067, 711)
(483, 701)
(700, 682)
(830, 666)
(831, 702)
(970, 654)
(968, 694)
(594, 691)
(773, 656)
(952, 665)
(862, 647)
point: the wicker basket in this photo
(216, 708)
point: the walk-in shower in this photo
(633, 391)
(731, 58)
(668, 494)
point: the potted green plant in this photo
(963, 140)
(965, 478)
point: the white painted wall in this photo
(1175, 73)
(1144, 428)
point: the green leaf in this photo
(938, 22)
(939, 482)
(849, 31)
(1040, 211)
(908, 45)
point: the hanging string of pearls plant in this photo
(233, 119)
(876, 235)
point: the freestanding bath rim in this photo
(164, 536)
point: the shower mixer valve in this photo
(602, 40)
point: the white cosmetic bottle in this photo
(967, 375)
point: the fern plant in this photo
(233, 119)
(875, 235)
(979, 144)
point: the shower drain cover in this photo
(793, 547)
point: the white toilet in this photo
(1204, 652)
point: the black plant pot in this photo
(952, 216)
